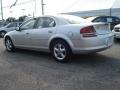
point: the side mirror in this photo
(17, 29)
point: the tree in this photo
(22, 18)
(10, 19)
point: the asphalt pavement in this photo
(30, 70)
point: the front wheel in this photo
(61, 51)
(9, 45)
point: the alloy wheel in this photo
(60, 51)
(9, 45)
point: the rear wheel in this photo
(9, 45)
(2, 33)
(61, 51)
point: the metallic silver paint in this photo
(40, 39)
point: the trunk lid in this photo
(101, 28)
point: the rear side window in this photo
(45, 22)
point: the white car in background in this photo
(116, 31)
(62, 35)
(9, 27)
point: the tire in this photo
(9, 45)
(2, 33)
(61, 51)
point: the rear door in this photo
(45, 28)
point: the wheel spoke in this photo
(62, 55)
(56, 49)
(8, 42)
(59, 46)
(62, 49)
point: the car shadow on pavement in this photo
(117, 41)
(91, 58)
(31, 55)
(104, 67)
(96, 58)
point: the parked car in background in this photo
(116, 31)
(9, 27)
(112, 20)
(2, 24)
(62, 35)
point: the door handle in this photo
(27, 33)
(49, 31)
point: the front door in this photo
(22, 37)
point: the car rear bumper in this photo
(90, 50)
(93, 44)
(116, 34)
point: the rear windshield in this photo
(74, 19)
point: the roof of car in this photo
(91, 18)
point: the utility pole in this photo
(35, 6)
(42, 5)
(2, 11)
(23, 11)
(11, 12)
(110, 11)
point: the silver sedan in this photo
(116, 31)
(62, 35)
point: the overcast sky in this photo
(52, 6)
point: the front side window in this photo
(45, 22)
(28, 25)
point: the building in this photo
(102, 12)
(114, 10)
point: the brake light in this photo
(88, 31)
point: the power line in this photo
(14, 4)
(19, 4)
(23, 3)
(42, 6)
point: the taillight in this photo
(88, 31)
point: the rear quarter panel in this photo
(70, 33)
